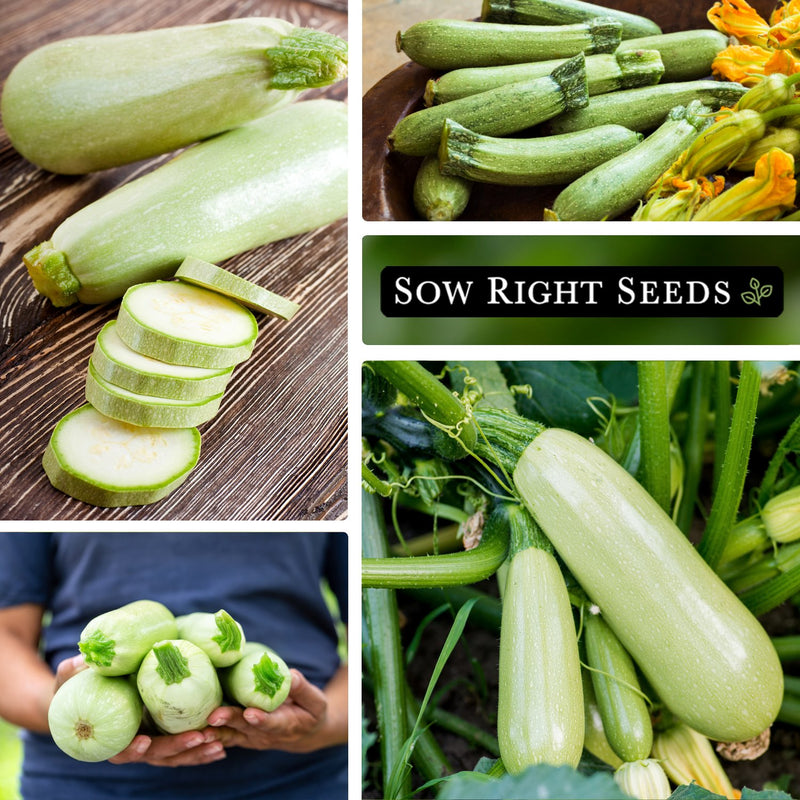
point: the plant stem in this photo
(466, 730)
(450, 569)
(788, 647)
(694, 444)
(790, 710)
(486, 614)
(430, 395)
(654, 421)
(385, 654)
(444, 540)
(773, 592)
(788, 444)
(728, 497)
(722, 416)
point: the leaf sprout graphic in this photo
(758, 294)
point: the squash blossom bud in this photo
(722, 143)
(773, 91)
(766, 195)
(687, 756)
(737, 18)
(781, 516)
(643, 779)
(787, 139)
(679, 203)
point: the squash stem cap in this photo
(51, 274)
(307, 59)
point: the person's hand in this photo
(297, 725)
(67, 668)
(178, 750)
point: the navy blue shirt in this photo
(269, 582)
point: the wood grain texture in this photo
(277, 449)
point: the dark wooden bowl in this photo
(388, 177)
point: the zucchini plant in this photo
(615, 629)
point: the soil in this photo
(468, 687)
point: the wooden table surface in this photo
(277, 448)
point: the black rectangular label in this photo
(470, 291)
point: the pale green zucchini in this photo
(686, 55)
(707, 657)
(646, 108)
(595, 740)
(180, 323)
(540, 715)
(626, 719)
(115, 362)
(605, 72)
(506, 109)
(179, 686)
(453, 43)
(439, 197)
(147, 410)
(219, 635)
(93, 717)
(260, 679)
(541, 161)
(617, 185)
(107, 463)
(116, 642)
(561, 12)
(210, 276)
(276, 177)
(92, 102)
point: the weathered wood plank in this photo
(277, 449)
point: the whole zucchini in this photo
(114, 643)
(281, 175)
(616, 185)
(540, 715)
(707, 657)
(645, 108)
(541, 161)
(563, 12)
(497, 112)
(453, 43)
(92, 102)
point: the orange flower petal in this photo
(737, 18)
(786, 33)
(768, 193)
(742, 63)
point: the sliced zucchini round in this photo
(147, 410)
(218, 279)
(179, 323)
(116, 363)
(108, 463)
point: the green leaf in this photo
(560, 390)
(766, 794)
(694, 792)
(542, 781)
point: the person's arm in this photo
(309, 719)
(26, 683)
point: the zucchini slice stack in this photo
(157, 371)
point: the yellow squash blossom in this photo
(786, 33)
(737, 18)
(767, 194)
(785, 9)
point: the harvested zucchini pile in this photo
(620, 528)
(600, 101)
(157, 371)
(184, 667)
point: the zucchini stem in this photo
(694, 443)
(772, 593)
(385, 654)
(173, 666)
(306, 59)
(230, 635)
(734, 468)
(655, 434)
(723, 408)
